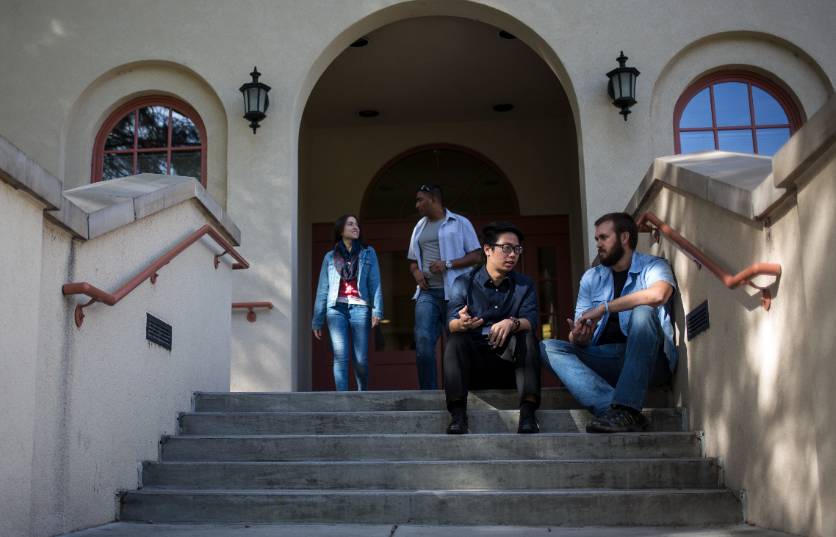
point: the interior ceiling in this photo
(435, 69)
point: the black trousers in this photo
(471, 364)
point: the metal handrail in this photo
(250, 307)
(729, 280)
(150, 272)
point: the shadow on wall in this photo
(747, 380)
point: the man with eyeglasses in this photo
(492, 317)
(621, 339)
(442, 247)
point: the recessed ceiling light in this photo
(362, 42)
(506, 35)
(368, 113)
(503, 107)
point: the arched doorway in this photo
(444, 100)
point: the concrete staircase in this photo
(383, 458)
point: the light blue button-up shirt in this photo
(597, 287)
(456, 238)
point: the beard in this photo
(613, 257)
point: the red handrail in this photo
(150, 272)
(729, 280)
(250, 307)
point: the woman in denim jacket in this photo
(350, 298)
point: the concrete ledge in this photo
(93, 210)
(25, 174)
(728, 180)
(806, 146)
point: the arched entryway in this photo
(439, 100)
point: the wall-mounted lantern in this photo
(255, 100)
(622, 85)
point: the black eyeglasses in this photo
(508, 248)
(425, 188)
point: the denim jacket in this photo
(368, 283)
(597, 287)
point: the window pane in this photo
(153, 126)
(115, 166)
(183, 130)
(694, 142)
(186, 163)
(771, 140)
(737, 141)
(731, 104)
(122, 135)
(767, 109)
(698, 112)
(152, 162)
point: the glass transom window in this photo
(741, 113)
(161, 136)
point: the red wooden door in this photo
(392, 357)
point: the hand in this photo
(500, 332)
(438, 267)
(593, 314)
(580, 332)
(375, 321)
(419, 278)
(317, 333)
(466, 322)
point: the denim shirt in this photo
(456, 238)
(368, 283)
(597, 287)
(491, 303)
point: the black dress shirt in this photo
(515, 297)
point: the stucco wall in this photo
(55, 52)
(759, 382)
(84, 406)
(20, 242)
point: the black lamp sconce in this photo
(622, 85)
(256, 100)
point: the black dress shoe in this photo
(458, 424)
(528, 424)
(618, 419)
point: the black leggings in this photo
(471, 364)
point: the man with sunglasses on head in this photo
(621, 339)
(492, 317)
(442, 247)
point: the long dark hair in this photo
(339, 225)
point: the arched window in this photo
(740, 112)
(471, 183)
(151, 135)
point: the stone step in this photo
(397, 422)
(552, 399)
(432, 475)
(431, 447)
(602, 507)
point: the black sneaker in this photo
(458, 421)
(528, 424)
(618, 419)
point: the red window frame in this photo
(132, 107)
(750, 79)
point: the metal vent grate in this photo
(696, 322)
(158, 331)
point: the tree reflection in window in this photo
(472, 185)
(160, 136)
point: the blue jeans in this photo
(345, 319)
(430, 313)
(616, 373)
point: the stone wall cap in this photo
(25, 174)
(95, 209)
(720, 177)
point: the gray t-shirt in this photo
(430, 251)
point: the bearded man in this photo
(621, 339)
